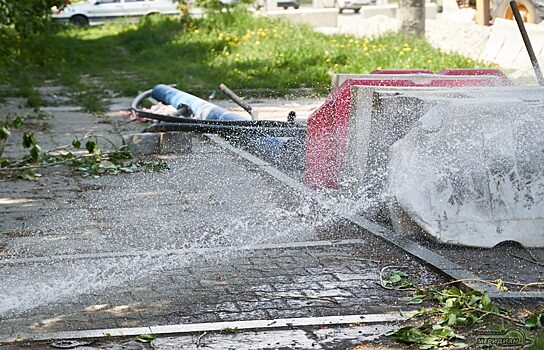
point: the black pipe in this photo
(200, 123)
(234, 130)
(528, 46)
(232, 95)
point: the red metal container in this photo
(328, 126)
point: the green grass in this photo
(237, 49)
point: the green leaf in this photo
(18, 122)
(91, 147)
(35, 152)
(76, 143)
(452, 319)
(394, 278)
(486, 300)
(410, 335)
(27, 175)
(4, 133)
(536, 320)
(419, 297)
(450, 302)
(28, 139)
(145, 338)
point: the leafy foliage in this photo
(457, 309)
(5, 133)
(429, 337)
(28, 16)
(218, 6)
(397, 279)
(94, 163)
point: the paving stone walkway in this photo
(212, 239)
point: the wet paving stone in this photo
(258, 292)
(194, 244)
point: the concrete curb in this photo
(210, 327)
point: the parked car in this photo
(96, 12)
(288, 3)
(354, 5)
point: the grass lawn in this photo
(238, 49)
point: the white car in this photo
(354, 5)
(96, 12)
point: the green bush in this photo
(28, 16)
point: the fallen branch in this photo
(532, 284)
(486, 313)
(199, 339)
(532, 260)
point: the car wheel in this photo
(357, 10)
(340, 10)
(296, 7)
(285, 7)
(527, 9)
(79, 20)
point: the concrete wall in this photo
(327, 16)
(431, 10)
(315, 17)
(505, 45)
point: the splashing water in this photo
(126, 228)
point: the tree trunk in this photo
(411, 17)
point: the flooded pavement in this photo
(212, 239)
